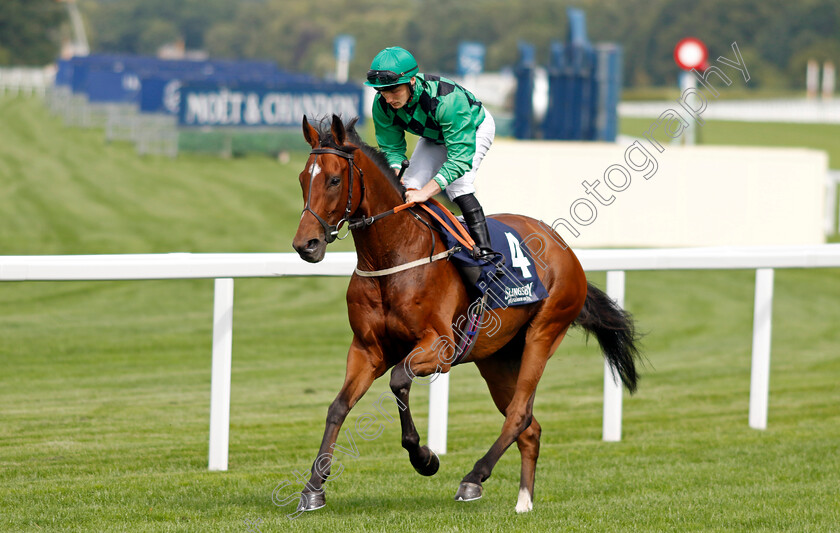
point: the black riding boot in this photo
(477, 224)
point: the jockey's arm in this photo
(390, 138)
(455, 118)
(459, 138)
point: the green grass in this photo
(732, 93)
(104, 388)
(825, 137)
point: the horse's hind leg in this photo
(423, 459)
(539, 346)
(529, 448)
(500, 373)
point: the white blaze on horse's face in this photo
(315, 169)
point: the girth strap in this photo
(470, 333)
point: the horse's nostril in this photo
(311, 251)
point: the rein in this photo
(331, 231)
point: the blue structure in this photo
(156, 86)
(523, 101)
(267, 103)
(470, 58)
(583, 93)
(607, 90)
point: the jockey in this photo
(455, 131)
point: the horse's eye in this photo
(334, 181)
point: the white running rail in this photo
(225, 267)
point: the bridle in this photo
(331, 231)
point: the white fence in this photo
(26, 80)
(225, 267)
(152, 133)
(784, 110)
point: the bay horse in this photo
(398, 318)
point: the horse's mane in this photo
(323, 127)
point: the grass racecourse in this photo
(105, 386)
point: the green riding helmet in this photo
(391, 66)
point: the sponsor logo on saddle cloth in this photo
(520, 294)
(510, 278)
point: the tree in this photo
(141, 26)
(774, 34)
(29, 31)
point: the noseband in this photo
(331, 231)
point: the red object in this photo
(691, 53)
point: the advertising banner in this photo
(260, 105)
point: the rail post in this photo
(612, 383)
(220, 377)
(760, 373)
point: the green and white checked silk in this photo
(439, 110)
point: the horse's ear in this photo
(351, 126)
(338, 131)
(310, 133)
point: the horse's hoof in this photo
(431, 466)
(468, 492)
(310, 501)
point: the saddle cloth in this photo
(509, 278)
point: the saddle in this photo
(508, 277)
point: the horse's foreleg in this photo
(358, 379)
(518, 414)
(423, 460)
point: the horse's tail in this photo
(615, 331)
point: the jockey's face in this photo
(398, 95)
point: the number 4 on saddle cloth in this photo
(506, 278)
